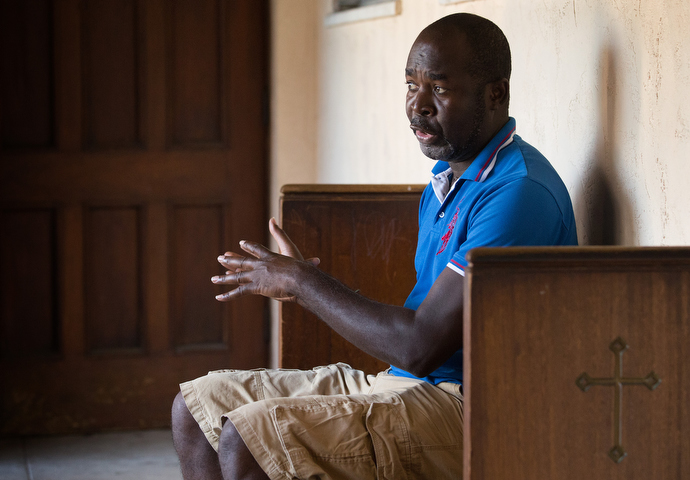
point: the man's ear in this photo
(499, 93)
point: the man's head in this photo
(458, 73)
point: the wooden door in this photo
(133, 152)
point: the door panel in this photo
(197, 240)
(194, 70)
(27, 246)
(133, 153)
(111, 70)
(113, 288)
(26, 74)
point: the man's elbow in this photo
(421, 354)
(420, 372)
(420, 367)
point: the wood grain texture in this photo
(110, 64)
(366, 237)
(68, 75)
(114, 299)
(97, 393)
(28, 283)
(195, 75)
(26, 74)
(197, 240)
(535, 320)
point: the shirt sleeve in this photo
(520, 213)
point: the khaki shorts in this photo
(335, 422)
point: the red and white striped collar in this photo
(490, 162)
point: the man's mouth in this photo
(423, 135)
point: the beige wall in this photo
(600, 87)
(295, 31)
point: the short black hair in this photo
(490, 49)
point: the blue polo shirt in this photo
(509, 196)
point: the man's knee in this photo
(230, 439)
(236, 460)
(232, 449)
(179, 409)
(183, 422)
(198, 460)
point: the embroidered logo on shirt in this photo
(451, 226)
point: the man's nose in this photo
(422, 104)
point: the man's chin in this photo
(446, 153)
(436, 152)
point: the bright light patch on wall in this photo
(450, 2)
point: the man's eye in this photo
(438, 89)
(411, 87)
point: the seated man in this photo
(489, 188)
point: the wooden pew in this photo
(365, 235)
(576, 363)
(546, 331)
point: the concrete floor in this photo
(147, 455)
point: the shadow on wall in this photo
(608, 211)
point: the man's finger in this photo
(236, 263)
(285, 245)
(239, 278)
(256, 249)
(240, 291)
(228, 255)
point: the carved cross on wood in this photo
(651, 381)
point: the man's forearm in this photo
(418, 340)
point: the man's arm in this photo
(416, 341)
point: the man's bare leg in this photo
(236, 461)
(198, 459)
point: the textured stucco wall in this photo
(599, 87)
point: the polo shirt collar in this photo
(441, 183)
(481, 167)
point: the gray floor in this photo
(147, 455)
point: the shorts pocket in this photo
(326, 440)
(390, 438)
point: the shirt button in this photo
(441, 215)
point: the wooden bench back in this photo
(365, 235)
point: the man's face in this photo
(445, 104)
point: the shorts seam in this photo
(207, 418)
(407, 438)
(425, 448)
(205, 425)
(346, 459)
(259, 386)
